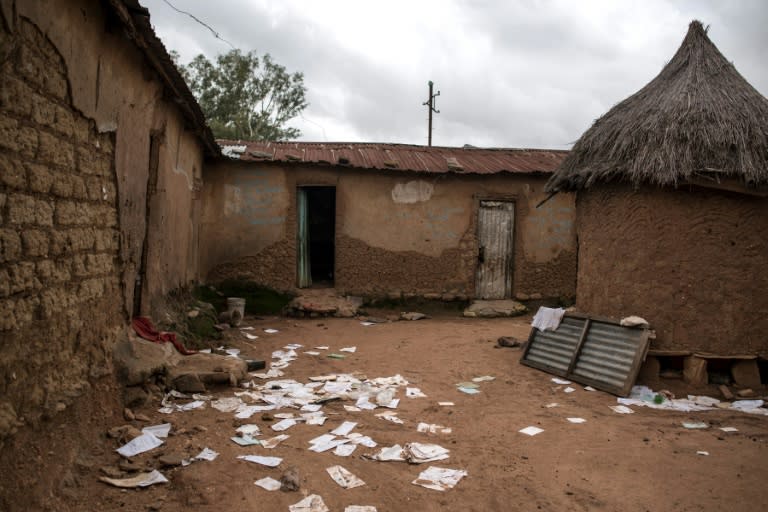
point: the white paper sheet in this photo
(344, 450)
(621, 409)
(431, 428)
(206, 454)
(344, 429)
(360, 508)
(268, 483)
(344, 478)
(576, 420)
(419, 453)
(348, 349)
(271, 331)
(531, 431)
(414, 393)
(558, 380)
(274, 441)
(141, 444)
(312, 503)
(439, 479)
(140, 480)
(264, 461)
(161, 430)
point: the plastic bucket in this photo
(236, 310)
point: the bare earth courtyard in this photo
(622, 462)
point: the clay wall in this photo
(396, 233)
(691, 262)
(78, 105)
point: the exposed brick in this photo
(5, 283)
(43, 110)
(90, 161)
(9, 133)
(78, 190)
(22, 277)
(40, 178)
(56, 151)
(56, 300)
(94, 187)
(31, 66)
(72, 240)
(90, 289)
(50, 271)
(106, 240)
(21, 209)
(70, 213)
(57, 85)
(15, 96)
(64, 121)
(106, 215)
(82, 130)
(28, 141)
(17, 312)
(12, 173)
(10, 245)
(35, 242)
(43, 213)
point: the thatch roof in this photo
(698, 118)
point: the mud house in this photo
(389, 220)
(672, 209)
(101, 153)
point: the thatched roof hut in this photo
(699, 118)
(672, 207)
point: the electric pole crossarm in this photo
(431, 104)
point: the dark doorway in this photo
(317, 234)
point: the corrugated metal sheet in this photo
(600, 353)
(403, 157)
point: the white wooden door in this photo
(495, 231)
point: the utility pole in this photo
(431, 104)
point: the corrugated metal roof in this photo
(402, 157)
(600, 353)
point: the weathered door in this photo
(495, 231)
(302, 252)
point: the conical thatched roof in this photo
(698, 117)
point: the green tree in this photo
(245, 96)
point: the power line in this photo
(215, 34)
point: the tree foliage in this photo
(245, 96)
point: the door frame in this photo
(478, 200)
(304, 266)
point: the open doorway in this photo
(316, 212)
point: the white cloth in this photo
(548, 318)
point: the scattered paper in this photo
(577, 420)
(312, 503)
(363, 440)
(360, 508)
(389, 453)
(414, 393)
(247, 328)
(322, 347)
(251, 336)
(702, 452)
(348, 349)
(245, 440)
(312, 353)
(558, 380)
(431, 428)
(344, 478)
(352, 408)
(140, 480)
(283, 425)
(484, 378)
(531, 431)
(228, 404)
(467, 385)
(158, 430)
(621, 409)
(141, 444)
(469, 391)
(439, 479)
(551, 405)
(729, 429)
(589, 388)
(315, 420)
(264, 461)
(206, 454)
(418, 453)
(268, 483)
(274, 441)
(271, 331)
(344, 429)
(569, 389)
(232, 351)
(446, 404)
(367, 324)
(344, 450)
(293, 346)
(326, 445)
(695, 425)
(191, 405)
(390, 416)
(311, 407)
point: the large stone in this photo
(746, 373)
(495, 308)
(695, 371)
(188, 383)
(136, 360)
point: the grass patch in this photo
(259, 300)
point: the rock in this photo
(129, 466)
(200, 428)
(746, 373)
(745, 393)
(128, 414)
(111, 471)
(201, 365)
(509, 342)
(522, 296)
(726, 392)
(188, 383)
(412, 316)
(535, 296)
(142, 417)
(695, 370)
(170, 460)
(267, 417)
(124, 433)
(134, 396)
(495, 308)
(290, 480)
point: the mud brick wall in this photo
(691, 262)
(59, 277)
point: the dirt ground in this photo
(644, 461)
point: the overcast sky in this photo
(511, 73)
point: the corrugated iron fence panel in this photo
(599, 353)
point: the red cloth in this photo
(144, 328)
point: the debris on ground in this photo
(344, 478)
(268, 483)
(140, 480)
(289, 481)
(312, 503)
(531, 431)
(509, 342)
(439, 479)
(412, 316)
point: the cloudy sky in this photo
(512, 73)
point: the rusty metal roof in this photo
(398, 157)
